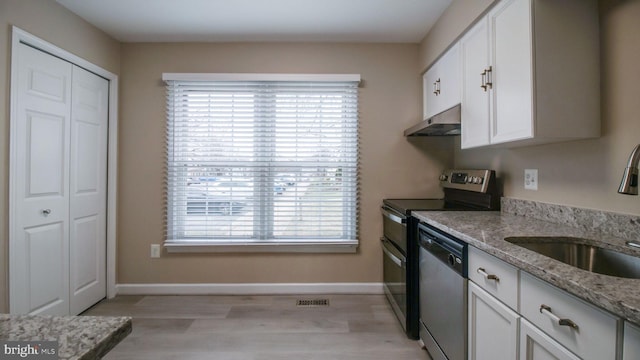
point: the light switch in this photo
(155, 250)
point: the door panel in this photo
(88, 135)
(88, 174)
(39, 253)
(86, 255)
(45, 247)
(45, 145)
(47, 85)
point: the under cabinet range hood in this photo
(445, 123)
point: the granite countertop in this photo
(486, 230)
(79, 337)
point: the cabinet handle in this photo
(546, 310)
(489, 79)
(46, 212)
(487, 276)
(436, 87)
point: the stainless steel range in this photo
(463, 190)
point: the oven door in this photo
(395, 279)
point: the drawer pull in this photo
(546, 310)
(482, 272)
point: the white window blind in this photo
(262, 163)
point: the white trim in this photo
(259, 77)
(250, 289)
(186, 246)
(21, 36)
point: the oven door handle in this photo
(396, 260)
(393, 217)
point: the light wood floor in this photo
(259, 328)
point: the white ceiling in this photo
(261, 20)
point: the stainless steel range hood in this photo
(445, 123)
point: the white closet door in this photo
(88, 189)
(40, 251)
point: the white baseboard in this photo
(250, 289)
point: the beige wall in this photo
(453, 22)
(582, 173)
(388, 104)
(53, 23)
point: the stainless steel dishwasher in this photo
(443, 294)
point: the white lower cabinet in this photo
(515, 315)
(631, 348)
(493, 327)
(582, 328)
(536, 345)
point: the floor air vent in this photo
(312, 302)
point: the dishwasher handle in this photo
(444, 248)
(426, 240)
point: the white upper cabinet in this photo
(530, 74)
(474, 58)
(441, 84)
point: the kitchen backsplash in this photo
(620, 225)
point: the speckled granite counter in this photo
(487, 230)
(79, 337)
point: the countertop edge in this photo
(78, 337)
(109, 341)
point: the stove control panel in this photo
(470, 180)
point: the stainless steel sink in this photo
(577, 252)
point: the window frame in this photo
(251, 244)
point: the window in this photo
(262, 160)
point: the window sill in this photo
(254, 246)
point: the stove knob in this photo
(444, 177)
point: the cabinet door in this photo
(512, 71)
(449, 86)
(536, 345)
(631, 346)
(474, 58)
(493, 327)
(429, 87)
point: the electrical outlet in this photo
(531, 179)
(155, 250)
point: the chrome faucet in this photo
(629, 184)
